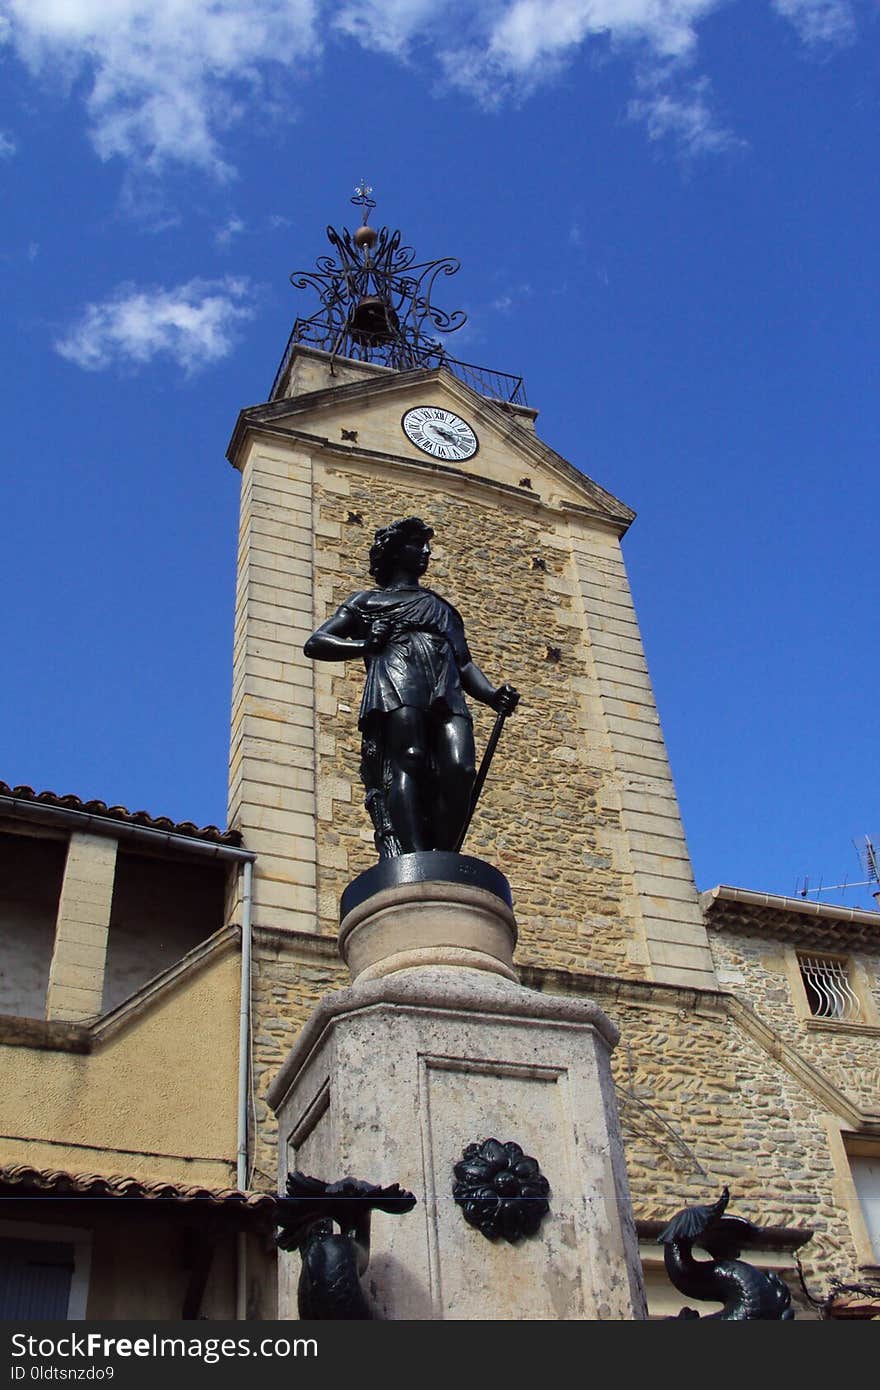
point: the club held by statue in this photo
(483, 772)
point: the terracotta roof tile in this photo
(211, 833)
(20, 1178)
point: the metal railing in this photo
(496, 386)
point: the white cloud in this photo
(391, 26)
(504, 49)
(231, 228)
(193, 324)
(8, 146)
(819, 22)
(683, 114)
(165, 79)
(167, 76)
(511, 297)
(518, 39)
(532, 32)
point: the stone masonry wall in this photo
(580, 814)
(761, 970)
(545, 808)
(701, 1103)
(286, 984)
(696, 1092)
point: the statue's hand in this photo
(380, 633)
(505, 699)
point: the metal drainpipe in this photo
(244, 1050)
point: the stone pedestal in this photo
(393, 1077)
(427, 909)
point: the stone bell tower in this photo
(369, 420)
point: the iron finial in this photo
(362, 198)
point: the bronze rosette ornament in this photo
(501, 1190)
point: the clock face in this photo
(440, 433)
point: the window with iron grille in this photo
(828, 987)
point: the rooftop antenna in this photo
(869, 860)
(868, 855)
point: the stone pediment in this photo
(364, 417)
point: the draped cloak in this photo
(420, 663)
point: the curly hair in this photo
(390, 540)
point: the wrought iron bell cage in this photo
(376, 305)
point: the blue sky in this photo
(666, 213)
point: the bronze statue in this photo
(417, 753)
(748, 1294)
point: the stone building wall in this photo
(580, 814)
(747, 1123)
(290, 975)
(548, 809)
(581, 809)
(763, 971)
(704, 1105)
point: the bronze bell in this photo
(372, 320)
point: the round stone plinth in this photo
(433, 908)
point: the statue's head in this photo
(391, 541)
